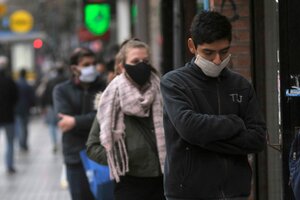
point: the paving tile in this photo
(38, 170)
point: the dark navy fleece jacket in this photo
(211, 125)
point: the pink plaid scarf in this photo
(119, 98)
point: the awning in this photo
(8, 37)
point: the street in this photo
(39, 170)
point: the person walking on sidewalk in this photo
(73, 102)
(129, 125)
(8, 100)
(25, 103)
(47, 104)
(212, 119)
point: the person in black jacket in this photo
(22, 112)
(8, 101)
(73, 103)
(212, 119)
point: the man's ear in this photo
(191, 46)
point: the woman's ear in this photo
(121, 67)
(191, 46)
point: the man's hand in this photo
(66, 122)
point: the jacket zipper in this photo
(222, 191)
(218, 96)
(223, 195)
(84, 108)
(219, 112)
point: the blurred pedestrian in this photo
(25, 103)
(113, 67)
(129, 125)
(111, 70)
(8, 100)
(212, 119)
(73, 101)
(101, 69)
(106, 64)
(47, 104)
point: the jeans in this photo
(53, 133)
(22, 130)
(78, 183)
(51, 120)
(10, 135)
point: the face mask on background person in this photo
(88, 74)
(139, 73)
(209, 68)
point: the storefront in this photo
(265, 50)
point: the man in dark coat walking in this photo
(8, 100)
(25, 103)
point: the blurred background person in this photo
(105, 64)
(47, 104)
(111, 72)
(8, 100)
(73, 101)
(101, 69)
(25, 103)
(114, 66)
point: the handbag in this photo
(101, 185)
(294, 166)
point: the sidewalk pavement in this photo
(39, 170)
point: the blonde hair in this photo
(130, 44)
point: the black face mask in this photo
(139, 73)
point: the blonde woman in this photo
(128, 133)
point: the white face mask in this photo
(210, 68)
(88, 74)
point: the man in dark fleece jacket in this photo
(212, 119)
(73, 102)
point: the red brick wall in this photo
(240, 46)
(240, 34)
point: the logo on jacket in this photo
(236, 98)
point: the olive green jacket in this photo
(140, 144)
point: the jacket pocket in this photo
(186, 165)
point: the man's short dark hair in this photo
(79, 53)
(23, 73)
(210, 26)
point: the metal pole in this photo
(123, 20)
(177, 33)
(142, 30)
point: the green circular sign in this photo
(97, 18)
